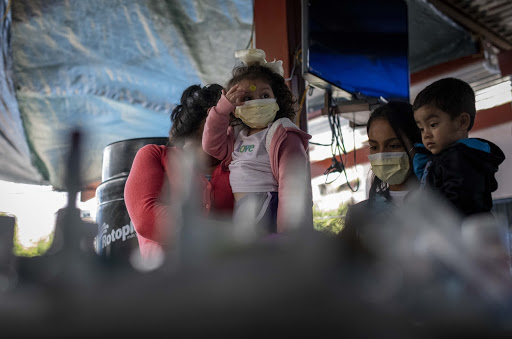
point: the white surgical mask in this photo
(257, 113)
(390, 167)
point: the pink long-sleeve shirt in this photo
(287, 150)
(154, 185)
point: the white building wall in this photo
(501, 135)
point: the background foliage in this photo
(40, 247)
(330, 221)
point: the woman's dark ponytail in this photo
(186, 118)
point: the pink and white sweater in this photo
(287, 150)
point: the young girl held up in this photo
(265, 150)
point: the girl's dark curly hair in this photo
(401, 119)
(284, 97)
(187, 117)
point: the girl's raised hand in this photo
(235, 95)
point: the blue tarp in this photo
(15, 159)
(112, 68)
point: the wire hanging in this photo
(338, 144)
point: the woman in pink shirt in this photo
(155, 180)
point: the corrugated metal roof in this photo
(492, 19)
(491, 88)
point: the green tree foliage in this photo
(21, 251)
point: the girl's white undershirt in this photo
(398, 197)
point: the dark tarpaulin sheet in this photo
(15, 159)
(114, 69)
(434, 38)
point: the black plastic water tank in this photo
(117, 238)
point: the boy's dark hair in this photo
(401, 119)
(282, 93)
(450, 95)
(187, 117)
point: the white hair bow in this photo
(253, 55)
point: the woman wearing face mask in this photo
(392, 132)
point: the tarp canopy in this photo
(112, 68)
(368, 48)
(116, 68)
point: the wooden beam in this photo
(493, 116)
(445, 67)
(89, 191)
(505, 62)
(277, 27)
(318, 167)
(271, 31)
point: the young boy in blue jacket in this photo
(459, 168)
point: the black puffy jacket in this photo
(463, 174)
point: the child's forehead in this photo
(429, 111)
(254, 79)
(257, 83)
